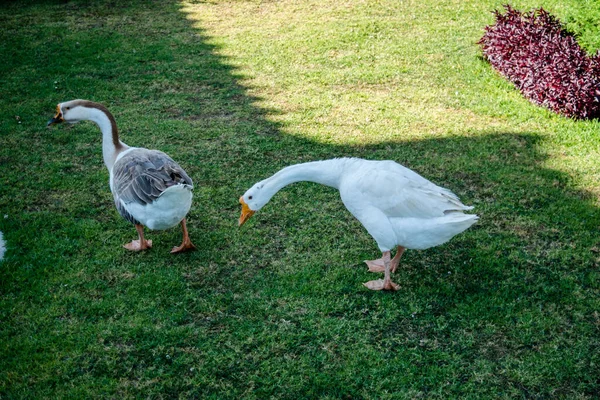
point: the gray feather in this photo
(142, 175)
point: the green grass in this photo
(235, 90)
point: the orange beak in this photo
(58, 118)
(246, 212)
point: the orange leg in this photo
(141, 244)
(187, 244)
(385, 283)
(378, 265)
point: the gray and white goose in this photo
(149, 188)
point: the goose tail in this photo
(422, 234)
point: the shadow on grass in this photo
(83, 319)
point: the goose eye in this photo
(68, 108)
(249, 197)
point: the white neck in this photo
(109, 137)
(328, 172)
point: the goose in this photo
(398, 207)
(149, 188)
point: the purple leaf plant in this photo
(536, 53)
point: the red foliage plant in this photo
(535, 52)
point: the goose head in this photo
(72, 112)
(253, 200)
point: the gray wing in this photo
(142, 175)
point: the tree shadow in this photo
(532, 251)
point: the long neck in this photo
(111, 145)
(328, 172)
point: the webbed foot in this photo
(138, 245)
(381, 284)
(375, 265)
(187, 245)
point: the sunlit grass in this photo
(372, 72)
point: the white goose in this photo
(397, 206)
(149, 188)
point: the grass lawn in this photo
(235, 90)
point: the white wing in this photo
(397, 192)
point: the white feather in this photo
(2, 247)
(166, 211)
(396, 205)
